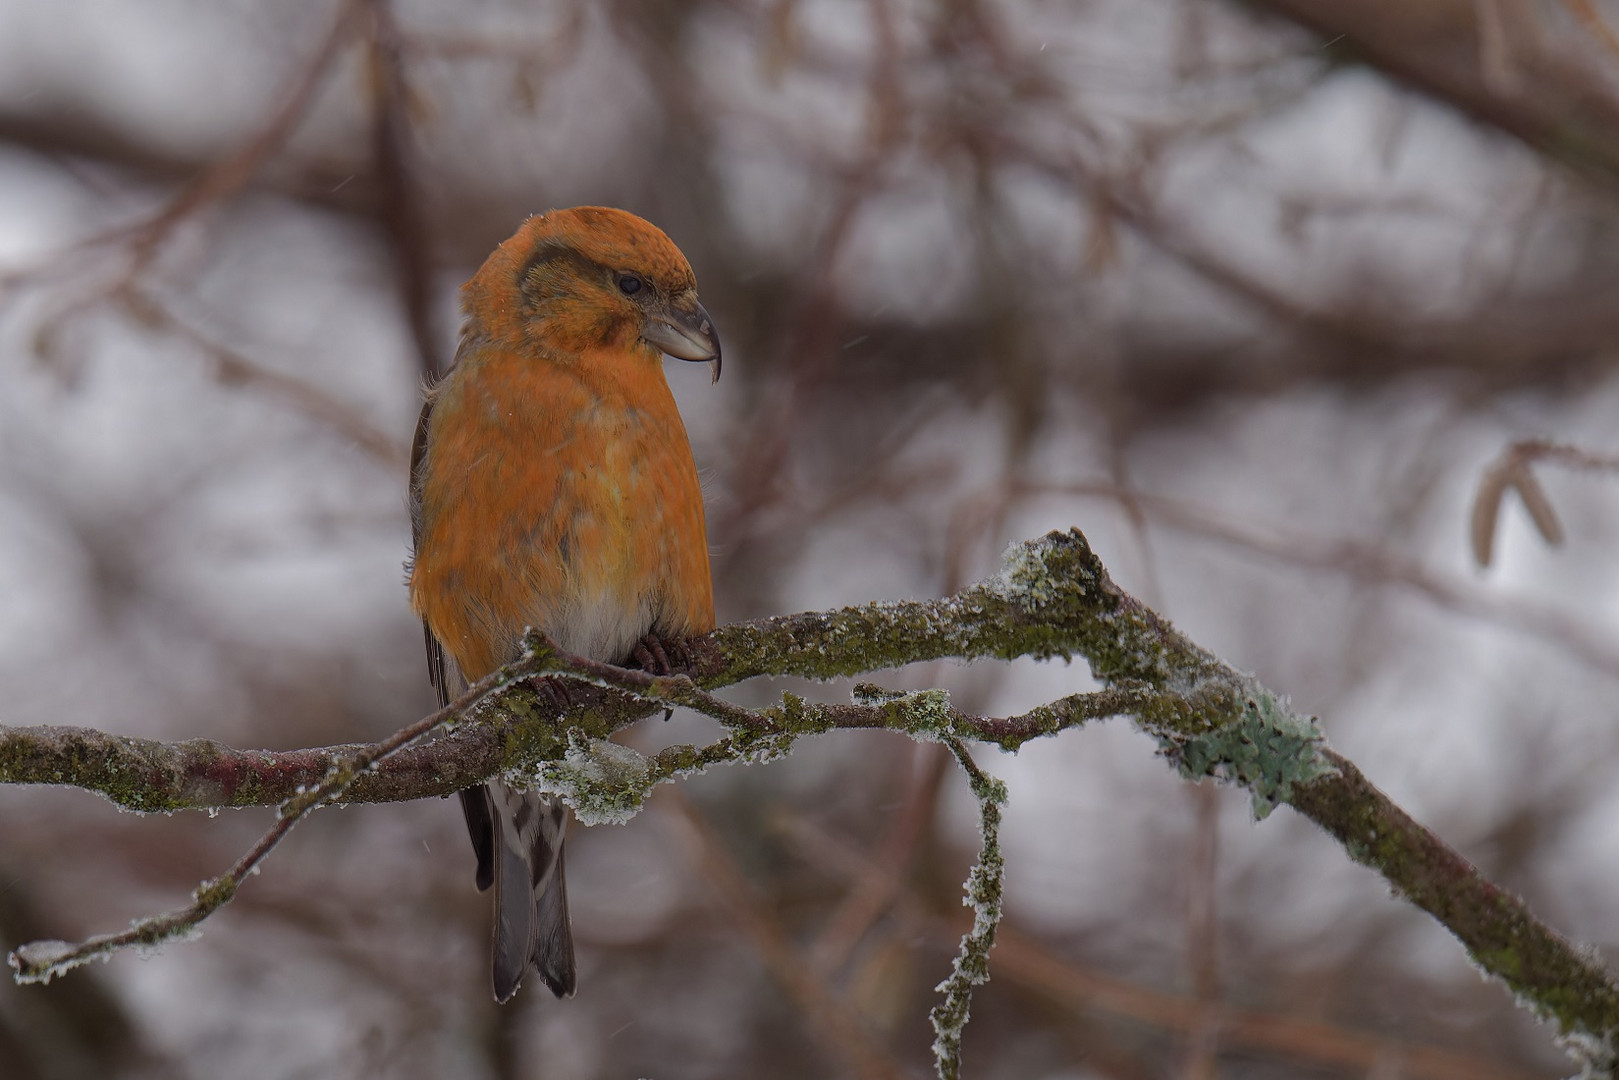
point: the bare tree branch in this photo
(1053, 598)
(1554, 106)
(399, 202)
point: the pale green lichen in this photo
(794, 718)
(607, 783)
(921, 714)
(1025, 573)
(1266, 747)
(1044, 603)
(604, 782)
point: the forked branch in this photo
(1053, 598)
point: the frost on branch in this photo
(984, 886)
(42, 961)
(607, 783)
(604, 782)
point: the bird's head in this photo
(592, 277)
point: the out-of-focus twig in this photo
(1202, 933)
(232, 172)
(393, 161)
(1024, 961)
(546, 51)
(873, 892)
(808, 355)
(845, 1036)
(1512, 472)
(234, 369)
(1559, 110)
(1361, 560)
(142, 239)
(1590, 18)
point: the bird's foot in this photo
(660, 655)
(554, 689)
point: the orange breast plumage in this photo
(563, 496)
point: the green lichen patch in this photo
(1266, 747)
(921, 714)
(608, 783)
(1044, 604)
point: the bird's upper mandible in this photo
(592, 277)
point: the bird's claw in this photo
(660, 656)
(554, 688)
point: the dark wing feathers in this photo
(531, 906)
(474, 800)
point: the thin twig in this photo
(678, 689)
(151, 776)
(232, 368)
(42, 961)
(1032, 964)
(873, 892)
(1512, 472)
(984, 882)
(840, 1029)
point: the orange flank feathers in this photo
(553, 486)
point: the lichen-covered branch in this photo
(606, 782)
(42, 961)
(984, 889)
(1054, 598)
(518, 729)
(1551, 978)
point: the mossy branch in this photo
(1053, 598)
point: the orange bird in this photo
(552, 486)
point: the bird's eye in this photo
(629, 284)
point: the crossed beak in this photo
(683, 329)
